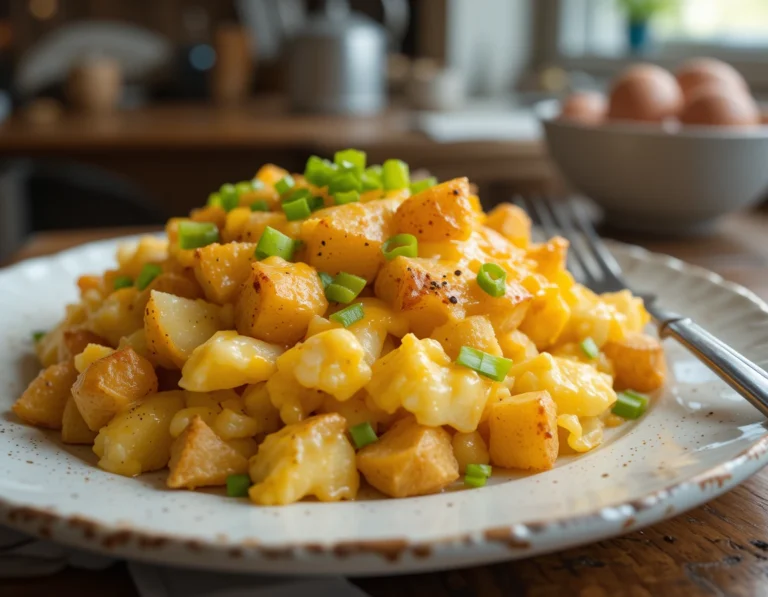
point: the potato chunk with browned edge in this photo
(278, 300)
(43, 402)
(475, 331)
(638, 362)
(113, 384)
(409, 459)
(524, 432)
(442, 212)
(200, 458)
(139, 440)
(313, 457)
(74, 429)
(512, 222)
(221, 269)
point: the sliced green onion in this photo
(260, 205)
(193, 235)
(300, 194)
(319, 171)
(38, 335)
(630, 404)
(238, 485)
(344, 182)
(340, 294)
(351, 156)
(485, 364)
(346, 197)
(349, 315)
(589, 348)
(214, 200)
(405, 245)
(371, 181)
(257, 185)
(395, 175)
(243, 187)
(354, 283)
(316, 203)
(492, 278)
(149, 272)
(475, 482)
(285, 184)
(362, 435)
(122, 282)
(479, 470)
(229, 197)
(326, 279)
(296, 210)
(423, 185)
(274, 243)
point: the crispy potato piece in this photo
(209, 213)
(74, 341)
(175, 326)
(512, 222)
(117, 316)
(638, 362)
(132, 257)
(470, 448)
(200, 458)
(517, 346)
(442, 212)
(47, 348)
(409, 459)
(475, 331)
(348, 237)
(278, 300)
(221, 269)
(184, 417)
(523, 432)
(111, 385)
(74, 429)
(91, 354)
(270, 174)
(139, 440)
(313, 457)
(42, 403)
(550, 256)
(546, 318)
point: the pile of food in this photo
(301, 333)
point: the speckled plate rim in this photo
(399, 555)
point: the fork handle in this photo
(735, 369)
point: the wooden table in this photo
(720, 549)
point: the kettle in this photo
(337, 62)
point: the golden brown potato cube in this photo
(278, 300)
(117, 316)
(550, 257)
(173, 283)
(470, 448)
(512, 222)
(638, 362)
(209, 213)
(475, 331)
(47, 348)
(43, 402)
(74, 430)
(258, 221)
(409, 459)
(270, 174)
(184, 257)
(442, 212)
(74, 340)
(221, 269)
(200, 458)
(546, 318)
(427, 292)
(505, 312)
(348, 238)
(523, 431)
(111, 385)
(517, 346)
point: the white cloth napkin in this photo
(22, 556)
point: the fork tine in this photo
(601, 253)
(535, 205)
(576, 257)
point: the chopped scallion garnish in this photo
(304, 193)
(193, 235)
(339, 294)
(238, 485)
(296, 210)
(149, 272)
(343, 182)
(326, 279)
(38, 335)
(423, 185)
(274, 243)
(354, 157)
(319, 171)
(485, 364)
(395, 175)
(479, 470)
(362, 435)
(259, 205)
(630, 404)
(475, 482)
(405, 245)
(589, 348)
(316, 203)
(345, 197)
(354, 283)
(122, 282)
(349, 315)
(285, 184)
(229, 197)
(492, 278)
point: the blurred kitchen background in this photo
(121, 112)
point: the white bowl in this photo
(666, 178)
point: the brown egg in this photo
(718, 105)
(646, 93)
(585, 107)
(707, 71)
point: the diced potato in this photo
(470, 448)
(638, 362)
(574, 352)
(512, 222)
(517, 346)
(111, 385)
(117, 316)
(546, 318)
(592, 317)
(139, 440)
(332, 361)
(74, 430)
(259, 407)
(74, 340)
(199, 458)
(246, 447)
(209, 213)
(348, 237)
(584, 434)
(313, 457)
(91, 354)
(228, 360)
(576, 388)
(475, 331)
(43, 402)
(293, 401)
(270, 174)
(231, 424)
(409, 460)
(358, 409)
(132, 257)
(251, 228)
(221, 269)
(420, 378)
(524, 432)
(47, 348)
(183, 257)
(211, 399)
(175, 326)
(137, 340)
(278, 301)
(635, 317)
(177, 284)
(442, 212)
(183, 418)
(505, 312)
(550, 257)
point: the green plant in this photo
(640, 11)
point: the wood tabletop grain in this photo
(719, 549)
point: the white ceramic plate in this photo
(698, 440)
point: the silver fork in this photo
(592, 264)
